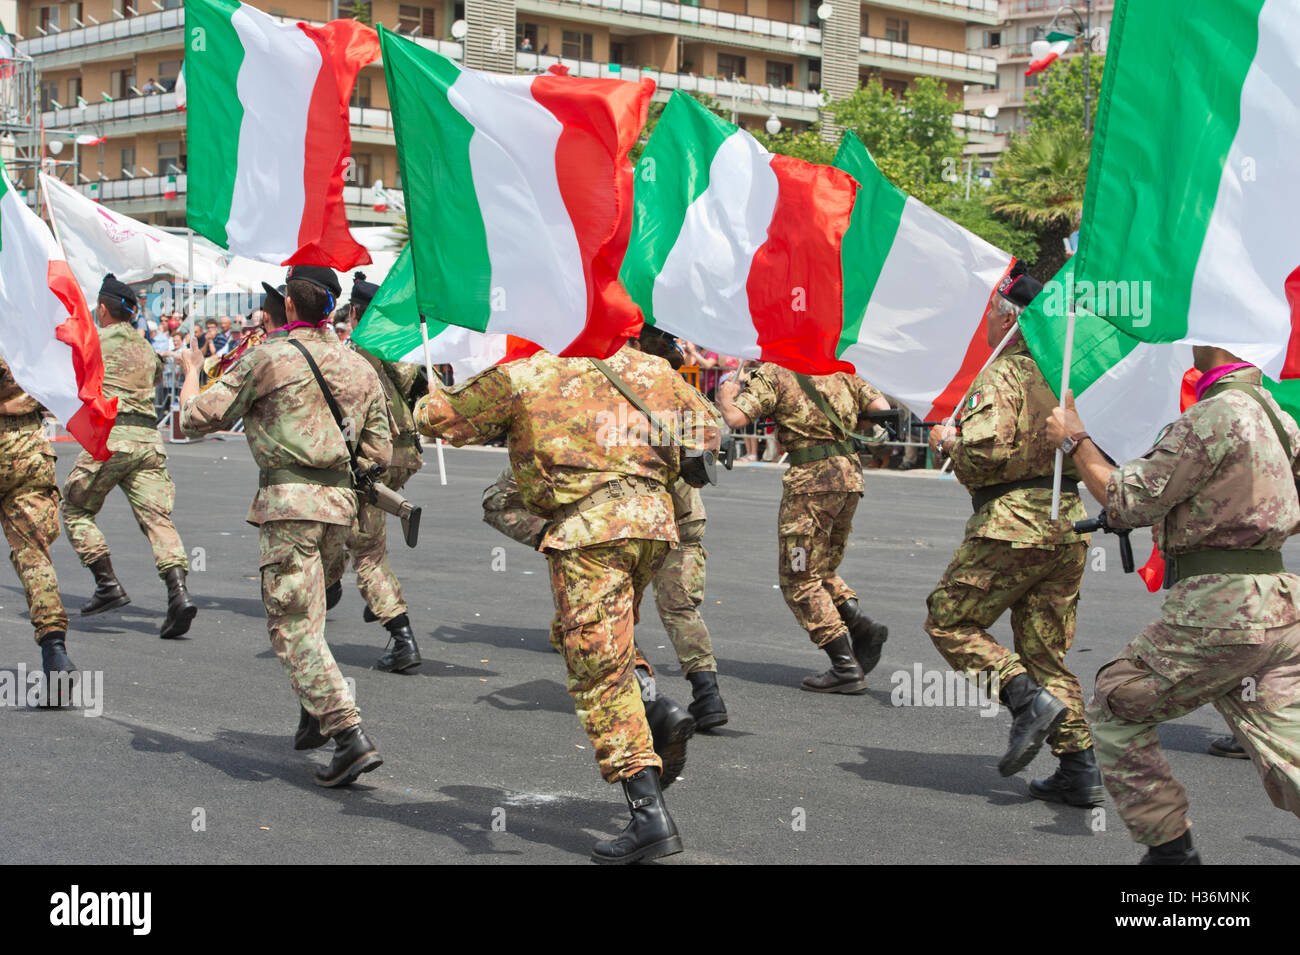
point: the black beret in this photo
(112, 288)
(317, 275)
(362, 291)
(1019, 287)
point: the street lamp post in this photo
(1083, 27)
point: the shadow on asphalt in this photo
(504, 638)
(1290, 846)
(962, 774)
(534, 695)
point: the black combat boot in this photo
(706, 702)
(1034, 714)
(354, 754)
(404, 655)
(333, 594)
(670, 727)
(845, 674)
(867, 636)
(58, 669)
(180, 608)
(108, 594)
(308, 735)
(1174, 852)
(651, 834)
(1229, 747)
(1076, 782)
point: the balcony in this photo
(968, 11)
(929, 60)
(1046, 8)
(115, 39)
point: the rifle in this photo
(1099, 523)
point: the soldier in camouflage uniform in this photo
(305, 504)
(609, 526)
(368, 542)
(1015, 558)
(29, 513)
(1219, 486)
(820, 493)
(138, 466)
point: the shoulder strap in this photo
(640, 406)
(817, 398)
(1253, 391)
(329, 399)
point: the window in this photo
(992, 39)
(171, 161)
(74, 14)
(866, 20)
(120, 83)
(128, 160)
(411, 18)
(896, 29)
(168, 70)
(74, 91)
(49, 95)
(49, 17)
(577, 46)
(171, 4)
(529, 32)
(779, 74)
(897, 87)
(815, 74)
(361, 93)
(363, 166)
(355, 10)
(616, 52)
(730, 65)
(127, 8)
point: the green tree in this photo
(806, 144)
(1058, 100)
(1039, 184)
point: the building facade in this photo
(108, 69)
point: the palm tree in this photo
(1039, 183)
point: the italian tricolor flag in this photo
(267, 125)
(519, 196)
(735, 248)
(1058, 43)
(1191, 224)
(47, 336)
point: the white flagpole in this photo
(428, 372)
(1065, 386)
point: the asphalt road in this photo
(191, 759)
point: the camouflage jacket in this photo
(131, 371)
(397, 380)
(288, 423)
(10, 389)
(569, 432)
(18, 445)
(1218, 479)
(1002, 439)
(774, 392)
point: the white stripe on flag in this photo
(276, 79)
(537, 274)
(703, 280)
(1252, 243)
(1145, 384)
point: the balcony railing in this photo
(934, 56)
(154, 187)
(104, 32)
(686, 13)
(94, 113)
(975, 124)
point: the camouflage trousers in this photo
(368, 544)
(1040, 586)
(597, 593)
(679, 591)
(29, 512)
(813, 530)
(292, 559)
(1230, 670)
(141, 473)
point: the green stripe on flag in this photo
(1158, 155)
(453, 270)
(872, 227)
(671, 174)
(1056, 36)
(390, 327)
(213, 114)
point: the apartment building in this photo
(108, 68)
(1007, 42)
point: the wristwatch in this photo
(1071, 444)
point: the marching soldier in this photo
(29, 512)
(1219, 486)
(820, 493)
(368, 542)
(138, 466)
(610, 525)
(305, 503)
(1015, 558)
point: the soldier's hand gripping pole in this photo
(1099, 523)
(389, 501)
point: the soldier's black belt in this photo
(1194, 563)
(983, 496)
(19, 422)
(820, 452)
(300, 474)
(136, 421)
(615, 490)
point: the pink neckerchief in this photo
(301, 324)
(1214, 374)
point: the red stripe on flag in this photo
(517, 348)
(91, 425)
(1291, 367)
(323, 237)
(1039, 65)
(977, 353)
(796, 285)
(601, 121)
